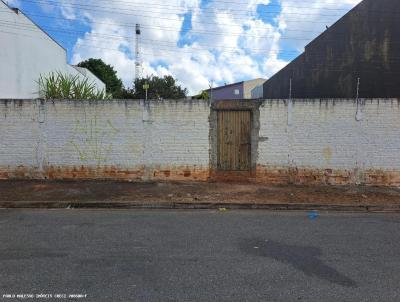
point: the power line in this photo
(188, 29)
(108, 9)
(315, 68)
(153, 43)
(166, 45)
(151, 26)
(176, 9)
(160, 48)
(206, 8)
(174, 45)
(209, 32)
(235, 3)
(128, 37)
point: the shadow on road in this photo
(302, 258)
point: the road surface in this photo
(120, 255)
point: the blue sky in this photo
(198, 42)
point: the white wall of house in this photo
(27, 52)
(253, 89)
(90, 76)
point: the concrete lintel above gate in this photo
(252, 105)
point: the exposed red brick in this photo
(307, 176)
(263, 175)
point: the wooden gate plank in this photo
(234, 140)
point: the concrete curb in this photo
(200, 206)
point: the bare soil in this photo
(196, 192)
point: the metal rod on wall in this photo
(359, 114)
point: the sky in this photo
(199, 42)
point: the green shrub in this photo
(65, 86)
(202, 96)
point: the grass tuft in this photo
(65, 86)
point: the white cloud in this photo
(303, 21)
(13, 3)
(67, 11)
(227, 43)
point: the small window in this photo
(237, 91)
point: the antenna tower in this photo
(138, 57)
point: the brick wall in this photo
(303, 141)
(313, 141)
(104, 139)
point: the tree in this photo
(107, 74)
(203, 95)
(159, 88)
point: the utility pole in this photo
(138, 57)
(146, 87)
(211, 87)
(290, 89)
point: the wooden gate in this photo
(234, 140)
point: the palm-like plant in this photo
(65, 86)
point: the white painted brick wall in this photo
(326, 135)
(124, 134)
(129, 134)
(19, 131)
(273, 126)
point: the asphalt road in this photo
(199, 256)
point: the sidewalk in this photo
(189, 195)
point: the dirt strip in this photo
(192, 195)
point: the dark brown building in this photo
(364, 44)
